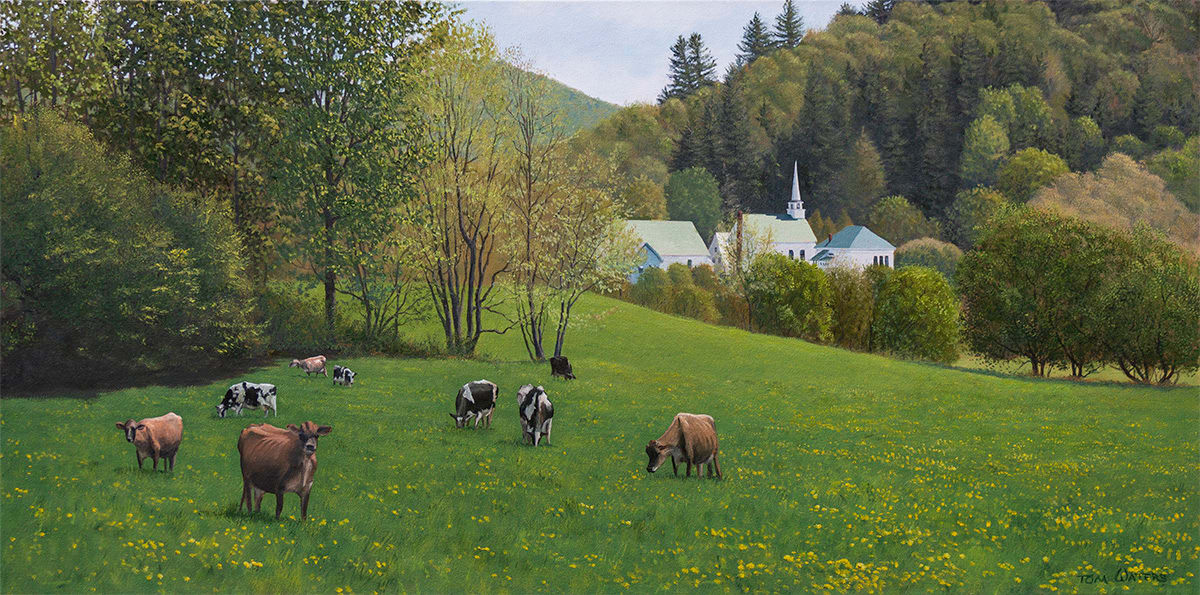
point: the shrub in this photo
(918, 316)
(852, 303)
(679, 274)
(293, 320)
(652, 290)
(928, 252)
(789, 297)
(733, 308)
(705, 277)
(693, 302)
(104, 272)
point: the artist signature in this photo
(1125, 576)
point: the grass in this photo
(843, 472)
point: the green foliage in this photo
(652, 290)
(985, 149)
(644, 199)
(930, 253)
(705, 277)
(1149, 310)
(789, 297)
(861, 181)
(692, 195)
(917, 316)
(897, 221)
(971, 211)
(755, 43)
(1027, 171)
(106, 272)
(1166, 137)
(692, 68)
(1085, 144)
(679, 274)
(853, 304)
(1180, 169)
(789, 27)
(1128, 144)
(694, 302)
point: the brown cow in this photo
(312, 365)
(691, 439)
(279, 461)
(155, 438)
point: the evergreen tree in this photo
(703, 66)
(734, 151)
(847, 10)
(678, 71)
(937, 132)
(755, 43)
(692, 67)
(880, 10)
(789, 27)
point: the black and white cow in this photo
(537, 413)
(343, 376)
(249, 395)
(475, 400)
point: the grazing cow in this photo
(476, 400)
(691, 439)
(312, 365)
(249, 395)
(279, 461)
(343, 376)
(561, 368)
(155, 437)
(537, 413)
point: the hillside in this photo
(843, 471)
(580, 110)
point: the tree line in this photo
(386, 155)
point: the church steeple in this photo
(795, 207)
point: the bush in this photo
(104, 272)
(705, 277)
(928, 252)
(918, 316)
(293, 320)
(789, 297)
(679, 274)
(733, 308)
(652, 290)
(852, 303)
(693, 302)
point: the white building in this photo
(856, 247)
(667, 242)
(791, 235)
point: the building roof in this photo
(856, 237)
(670, 238)
(822, 256)
(719, 239)
(783, 228)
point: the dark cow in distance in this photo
(537, 413)
(692, 440)
(475, 400)
(279, 461)
(249, 395)
(561, 368)
(343, 376)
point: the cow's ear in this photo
(141, 426)
(293, 428)
(120, 425)
(323, 430)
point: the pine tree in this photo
(880, 10)
(789, 27)
(679, 72)
(847, 9)
(734, 149)
(703, 66)
(756, 41)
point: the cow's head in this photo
(349, 376)
(308, 432)
(460, 420)
(658, 455)
(295, 364)
(130, 428)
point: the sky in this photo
(617, 50)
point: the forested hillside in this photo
(579, 110)
(928, 101)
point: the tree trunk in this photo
(330, 275)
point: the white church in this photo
(790, 234)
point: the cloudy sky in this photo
(617, 50)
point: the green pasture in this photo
(843, 471)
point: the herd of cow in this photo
(284, 461)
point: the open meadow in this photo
(843, 471)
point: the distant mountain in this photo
(581, 110)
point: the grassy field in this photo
(842, 472)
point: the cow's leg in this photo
(717, 465)
(140, 458)
(258, 496)
(304, 506)
(245, 495)
(154, 456)
(172, 460)
(674, 467)
(688, 464)
(278, 503)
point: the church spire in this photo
(795, 205)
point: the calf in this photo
(249, 395)
(691, 439)
(343, 376)
(475, 400)
(537, 413)
(279, 461)
(155, 437)
(312, 365)
(561, 368)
